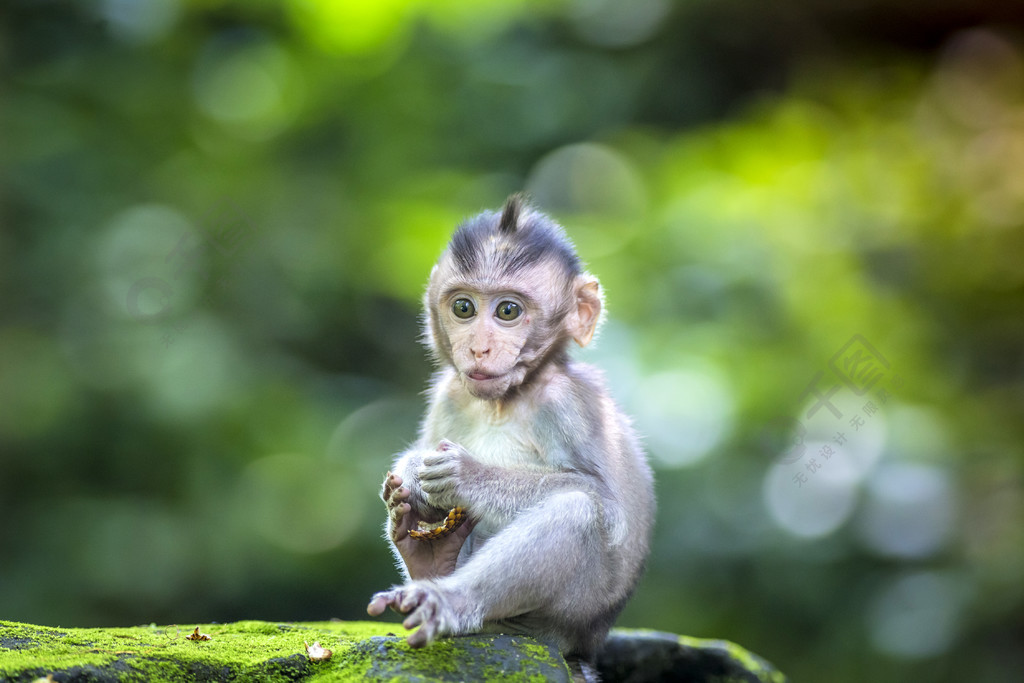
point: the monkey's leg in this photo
(550, 562)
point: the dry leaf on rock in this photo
(316, 652)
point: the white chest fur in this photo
(502, 442)
(493, 436)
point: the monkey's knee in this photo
(574, 532)
(572, 509)
(566, 525)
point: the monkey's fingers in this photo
(456, 517)
(437, 466)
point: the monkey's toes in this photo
(423, 636)
(426, 615)
(397, 497)
(391, 484)
(379, 602)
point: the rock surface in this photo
(634, 656)
(362, 651)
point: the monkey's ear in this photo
(583, 321)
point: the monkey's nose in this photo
(480, 353)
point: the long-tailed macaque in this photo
(521, 441)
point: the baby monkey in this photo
(542, 491)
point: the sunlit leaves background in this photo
(217, 219)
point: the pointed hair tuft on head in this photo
(493, 244)
(510, 214)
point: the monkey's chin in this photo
(488, 387)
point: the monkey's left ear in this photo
(583, 321)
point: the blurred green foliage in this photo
(218, 217)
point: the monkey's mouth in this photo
(481, 376)
(486, 385)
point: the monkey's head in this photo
(506, 297)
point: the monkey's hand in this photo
(423, 558)
(428, 607)
(446, 474)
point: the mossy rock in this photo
(362, 651)
(639, 656)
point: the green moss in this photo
(243, 649)
(499, 657)
(257, 650)
(272, 652)
(744, 657)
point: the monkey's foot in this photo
(430, 532)
(427, 608)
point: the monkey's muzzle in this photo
(430, 532)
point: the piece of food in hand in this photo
(430, 532)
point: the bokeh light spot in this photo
(683, 413)
(909, 511)
(373, 434)
(588, 178)
(299, 503)
(820, 504)
(192, 369)
(254, 90)
(917, 615)
(350, 27)
(618, 24)
(140, 21)
(149, 263)
(980, 77)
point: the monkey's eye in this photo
(463, 308)
(508, 310)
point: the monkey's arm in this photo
(451, 477)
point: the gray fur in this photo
(506, 243)
(551, 471)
